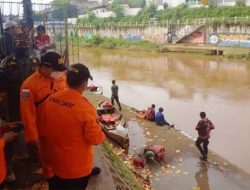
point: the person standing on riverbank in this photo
(71, 131)
(203, 127)
(47, 80)
(114, 96)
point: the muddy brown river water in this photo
(183, 85)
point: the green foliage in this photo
(237, 55)
(151, 10)
(212, 3)
(240, 3)
(59, 7)
(37, 16)
(111, 43)
(136, 3)
(183, 6)
(124, 171)
(116, 7)
(174, 14)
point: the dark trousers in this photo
(116, 98)
(203, 150)
(57, 183)
(2, 185)
(163, 123)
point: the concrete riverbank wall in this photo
(195, 33)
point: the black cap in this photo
(53, 60)
(77, 74)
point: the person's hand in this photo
(8, 137)
(32, 33)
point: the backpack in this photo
(203, 130)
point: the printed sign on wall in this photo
(242, 40)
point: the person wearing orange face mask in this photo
(48, 79)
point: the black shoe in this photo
(95, 171)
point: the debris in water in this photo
(177, 172)
(177, 151)
(196, 188)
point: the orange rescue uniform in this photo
(71, 131)
(34, 91)
(2, 161)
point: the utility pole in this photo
(66, 32)
(28, 13)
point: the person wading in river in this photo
(203, 127)
(114, 96)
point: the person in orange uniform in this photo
(4, 138)
(47, 80)
(72, 129)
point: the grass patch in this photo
(124, 171)
(112, 43)
(237, 55)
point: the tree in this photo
(116, 7)
(27, 12)
(240, 3)
(151, 10)
(136, 3)
(58, 9)
(212, 3)
(165, 5)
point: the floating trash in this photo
(196, 188)
(177, 172)
(148, 133)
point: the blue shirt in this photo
(159, 118)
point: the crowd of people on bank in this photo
(60, 125)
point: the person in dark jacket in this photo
(203, 127)
(114, 96)
(8, 41)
